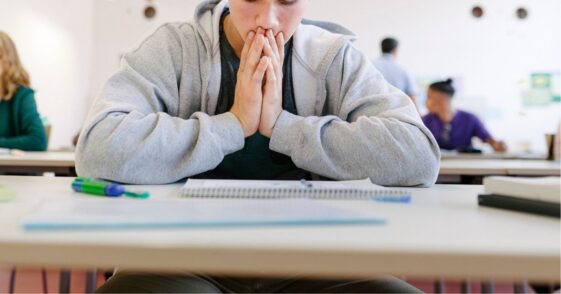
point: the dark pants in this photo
(128, 282)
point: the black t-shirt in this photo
(255, 160)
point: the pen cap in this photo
(114, 190)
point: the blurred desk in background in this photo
(505, 167)
(60, 163)
(471, 171)
(446, 154)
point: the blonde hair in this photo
(12, 74)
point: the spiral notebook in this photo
(328, 190)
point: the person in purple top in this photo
(454, 129)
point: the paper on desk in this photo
(183, 213)
(256, 184)
(13, 152)
(249, 189)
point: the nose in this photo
(267, 18)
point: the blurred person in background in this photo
(21, 127)
(454, 129)
(396, 75)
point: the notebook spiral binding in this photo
(313, 193)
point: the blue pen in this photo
(306, 183)
(392, 198)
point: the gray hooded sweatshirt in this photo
(154, 121)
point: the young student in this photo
(394, 73)
(20, 125)
(251, 90)
(452, 128)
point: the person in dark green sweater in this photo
(20, 125)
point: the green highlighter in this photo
(103, 188)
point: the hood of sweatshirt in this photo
(315, 53)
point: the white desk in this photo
(516, 156)
(486, 167)
(30, 162)
(442, 233)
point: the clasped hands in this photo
(258, 96)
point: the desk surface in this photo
(61, 163)
(442, 233)
(46, 159)
(495, 155)
(484, 167)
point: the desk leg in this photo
(465, 287)
(521, 288)
(44, 277)
(487, 287)
(471, 180)
(64, 282)
(91, 280)
(439, 286)
(12, 280)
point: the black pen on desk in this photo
(306, 183)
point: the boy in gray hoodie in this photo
(250, 90)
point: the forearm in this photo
(491, 141)
(25, 143)
(156, 148)
(388, 151)
(498, 146)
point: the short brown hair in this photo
(13, 75)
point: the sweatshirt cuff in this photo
(286, 134)
(227, 127)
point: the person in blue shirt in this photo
(396, 75)
(454, 129)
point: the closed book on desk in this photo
(532, 195)
(520, 204)
(544, 189)
(104, 213)
(332, 190)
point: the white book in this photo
(543, 189)
(253, 189)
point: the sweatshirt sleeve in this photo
(133, 133)
(370, 130)
(32, 135)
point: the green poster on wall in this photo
(541, 81)
(545, 89)
(556, 87)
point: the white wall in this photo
(54, 39)
(120, 27)
(494, 56)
